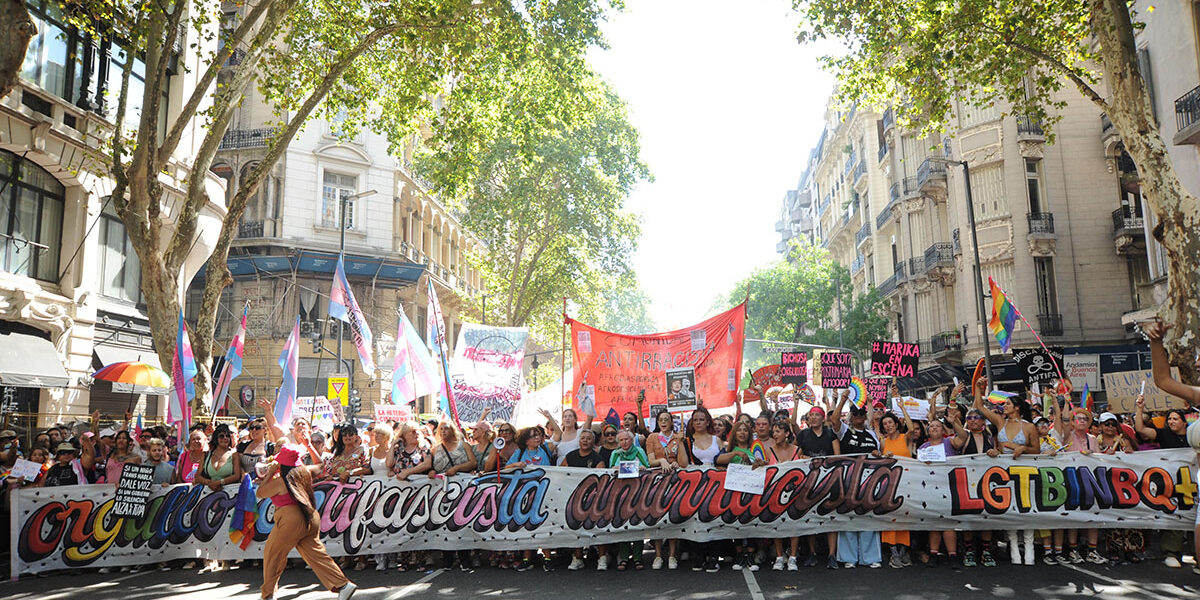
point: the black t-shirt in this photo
(817, 445)
(591, 461)
(59, 475)
(605, 454)
(1169, 439)
(858, 442)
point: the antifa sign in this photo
(558, 507)
(877, 387)
(793, 368)
(894, 359)
(836, 369)
(1039, 365)
(133, 491)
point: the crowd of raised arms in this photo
(963, 424)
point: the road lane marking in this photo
(755, 591)
(416, 586)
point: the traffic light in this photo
(355, 402)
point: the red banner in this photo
(619, 366)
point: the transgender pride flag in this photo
(183, 370)
(343, 307)
(414, 372)
(289, 361)
(233, 364)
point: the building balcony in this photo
(864, 233)
(860, 171)
(890, 285)
(240, 139)
(1187, 118)
(1030, 128)
(889, 120)
(1040, 223)
(849, 165)
(931, 176)
(1129, 233)
(894, 192)
(856, 267)
(912, 189)
(251, 229)
(1107, 131)
(883, 150)
(945, 344)
(885, 216)
(939, 262)
(780, 226)
(1050, 324)
(916, 267)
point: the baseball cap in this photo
(1107, 416)
(7, 433)
(109, 432)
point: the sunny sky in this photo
(728, 104)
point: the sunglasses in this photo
(255, 427)
(610, 433)
(508, 431)
(974, 418)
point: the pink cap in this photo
(288, 456)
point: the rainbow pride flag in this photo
(999, 396)
(1086, 400)
(1004, 316)
(758, 451)
(245, 514)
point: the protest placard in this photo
(934, 453)
(681, 389)
(627, 469)
(836, 369)
(1123, 389)
(26, 469)
(1039, 365)
(744, 478)
(133, 491)
(398, 413)
(918, 408)
(877, 387)
(894, 359)
(793, 368)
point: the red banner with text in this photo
(618, 366)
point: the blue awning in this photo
(386, 273)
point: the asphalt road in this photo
(1149, 580)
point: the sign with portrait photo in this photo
(681, 389)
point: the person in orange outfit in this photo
(289, 486)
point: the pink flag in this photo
(436, 334)
(183, 370)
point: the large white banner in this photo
(55, 528)
(486, 370)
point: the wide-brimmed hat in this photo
(66, 447)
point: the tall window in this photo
(1043, 272)
(1033, 185)
(987, 191)
(336, 186)
(31, 213)
(118, 267)
(83, 70)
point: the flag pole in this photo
(562, 360)
(1037, 337)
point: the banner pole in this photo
(562, 360)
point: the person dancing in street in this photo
(297, 524)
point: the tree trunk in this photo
(1177, 211)
(18, 29)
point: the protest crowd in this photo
(962, 422)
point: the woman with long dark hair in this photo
(297, 524)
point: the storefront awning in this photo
(31, 362)
(108, 355)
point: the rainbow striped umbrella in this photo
(134, 373)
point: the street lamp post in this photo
(341, 257)
(979, 309)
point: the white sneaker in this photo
(576, 564)
(347, 591)
(791, 565)
(672, 563)
(1172, 562)
(602, 563)
(657, 564)
(849, 565)
(779, 564)
(875, 565)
